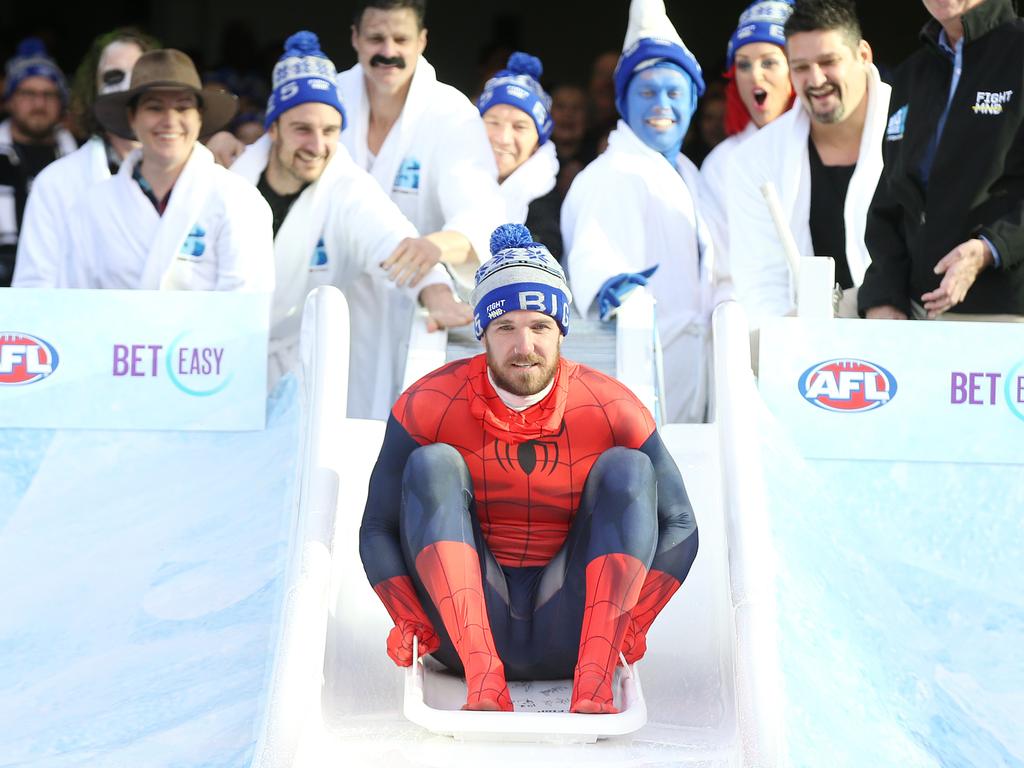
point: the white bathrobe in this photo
(627, 211)
(778, 153)
(44, 229)
(215, 234)
(531, 180)
(436, 165)
(339, 229)
(714, 180)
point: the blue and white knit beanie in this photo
(518, 85)
(650, 40)
(303, 74)
(520, 275)
(31, 60)
(762, 22)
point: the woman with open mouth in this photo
(758, 91)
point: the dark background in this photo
(566, 34)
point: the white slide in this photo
(705, 694)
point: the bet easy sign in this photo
(853, 389)
(141, 360)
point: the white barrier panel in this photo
(897, 390)
(90, 359)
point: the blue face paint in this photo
(659, 104)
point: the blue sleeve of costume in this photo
(380, 548)
(614, 290)
(677, 526)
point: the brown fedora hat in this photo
(165, 69)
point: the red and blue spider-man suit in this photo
(525, 545)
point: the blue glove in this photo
(615, 289)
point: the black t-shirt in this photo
(828, 200)
(34, 157)
(279, 204)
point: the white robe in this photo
(714, 180)
(437, 166)
(340, 228)
(627, 211)
(215, 234)
(44, 229)
(778, 153)
(531, 180)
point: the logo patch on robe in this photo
(897, 123)
(319, 261)
(408, 177)
(194, 245)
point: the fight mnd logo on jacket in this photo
(408, 177)
(991, 103)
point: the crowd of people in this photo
(388, 183)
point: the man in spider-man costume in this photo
(524, 519)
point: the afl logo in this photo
(848, 386)
(25, 359)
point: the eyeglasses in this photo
(30, 95)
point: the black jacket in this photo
(976, 185)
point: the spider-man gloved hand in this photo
(403, 605)
(657, 589)
(615, 289)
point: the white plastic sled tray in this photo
(434, 698)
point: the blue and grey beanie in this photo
(518, 85)
(31, 60)
(520, 275)
(763, 22)
(303, 74)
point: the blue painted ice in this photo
(141, 577)
(901, 596)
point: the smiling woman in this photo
(213, 233)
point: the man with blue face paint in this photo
(632, 217)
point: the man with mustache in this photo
(424, 144)
(332, 223)
(35, 96)
(945, 229)
(634, 217)
(524, 520)
(823, 157)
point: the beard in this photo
(38, 126)
(523, 382)
(833, 115)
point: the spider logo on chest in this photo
(529, 454)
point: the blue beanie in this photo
(648, 52)
(31, 60)
(520, 275)
(762, 22)
(303, 74)
(518, 85)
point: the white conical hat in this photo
(648, 19)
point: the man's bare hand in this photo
(960, 268)
(225, 147)
(885, 312)
(445, 311)
(411, 260)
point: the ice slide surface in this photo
(148, 592)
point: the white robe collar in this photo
(531, 180)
